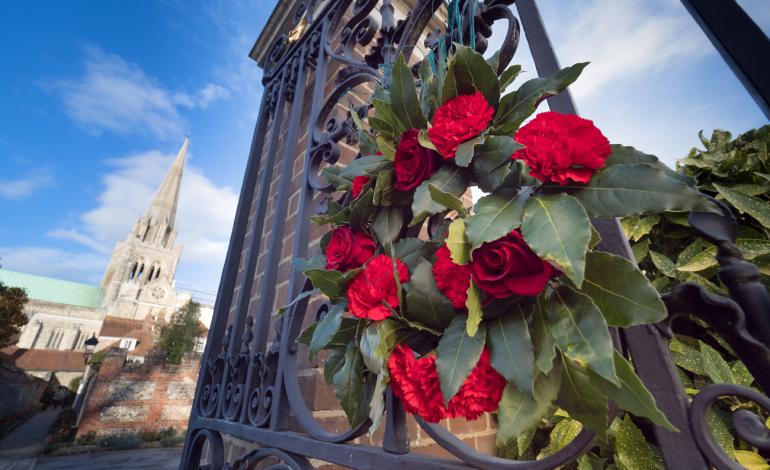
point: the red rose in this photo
(358, 185)
(452, 279)
(562, 148)
(459, 119)
(413, 162)
(374, 286)
(348, 249)
(416, 383)
(508, 266)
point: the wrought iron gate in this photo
(248, 387)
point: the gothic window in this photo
(54, 341)
(152, 273)
(133, 270)
(141, 271)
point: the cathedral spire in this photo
(167, 198)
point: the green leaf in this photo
(637, 227)
(448, 179)
(334, 362)
(640, 250)
(631, 449)
(470, 73)
(714, 365)
(348, 384)
(456, 355)
(387, 224)
(686, 356)
(383, 189)
(426, 303)
(517, 106)
(753, 206)
(386, 147)
(751, 460)
(542, 340)
(403, 96)
(362, 208)
(561, 435)
(385, 121)
(450, 201)
(430, 93)
(377, 405)
(509, 75)
(518, 412)
(473, 304)
(636, 189)
(297, 299)
(327, 328)
(330, 283)
(496, 216)
(622, 154)
(424, 139)
(368, 344)
(581, 399)
(457, 242)
(718, 423)
(596, 238)
(332, 174)
(411, 250)
(557, 229)
(741, 374)
(622, 293)
(664, 265)
(511, 350)
(466, 150)
(492, 159)
(370, 165)
(631, 395)
(580, 331)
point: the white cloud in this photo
(625, 41)
(22, 187)
(82, 267)
(204, 217)
(118, 96)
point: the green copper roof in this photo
(54, 290)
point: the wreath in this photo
(504, 307)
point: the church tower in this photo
(139, 279)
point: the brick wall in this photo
(131, 398)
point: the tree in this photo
(179, 335)
(12, 316)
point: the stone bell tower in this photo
(139, 279)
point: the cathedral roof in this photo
(48, 289)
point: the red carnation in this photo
(562, 148)
(452, 279)
(374, 286)
(348, 249)
(358, 185)
(416, 383)
(413, 163)
(459, 119)
(508, 266)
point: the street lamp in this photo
(90, 345)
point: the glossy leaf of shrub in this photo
(403, 96)
(557, 229)
(496, 216)
(581, 399)
(625, 190)
(631, 395)
(427, 304)
(349, 387)
(469, 73)
(327, 328)
(475, 313)
(622, 293)
(755, 207)
(517, 106)
(520, 412)
(457, 242)
(545, 347)
(449, 179)
(511, 350)
(456, 355)
(492, 161)
(387, 224)
(580, 331)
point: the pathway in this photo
(27, 440)
(154, 459)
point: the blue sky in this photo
(96, 98)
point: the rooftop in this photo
(48, 289)
(44, 359)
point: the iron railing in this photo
(248, 386)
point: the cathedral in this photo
(135, 297)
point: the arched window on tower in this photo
(151, 276)
(132, 272)
(157, 272)
(140, 272)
